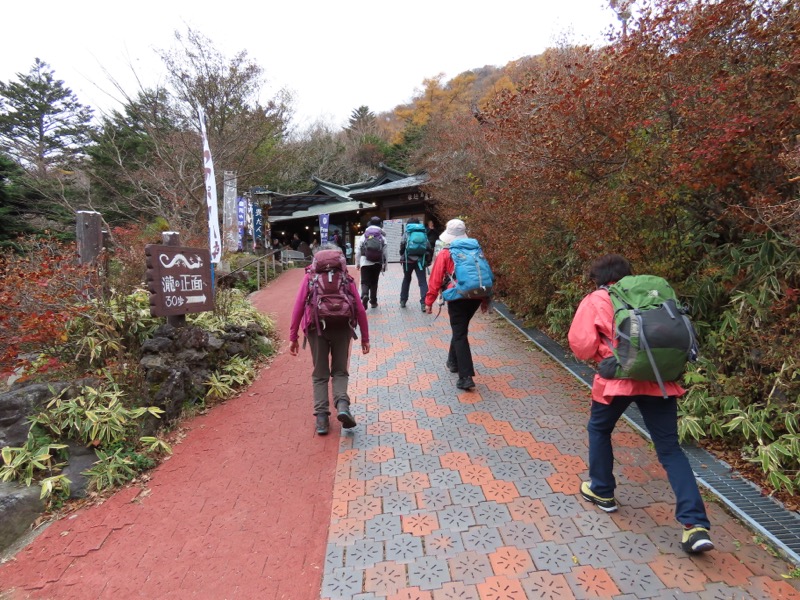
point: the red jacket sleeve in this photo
(591, 327)
(442, 266)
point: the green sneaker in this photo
(696, 540)
(606, 504)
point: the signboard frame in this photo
(179, 280)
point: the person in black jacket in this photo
(414, 263)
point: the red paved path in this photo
(241, 510)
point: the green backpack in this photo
(653, 337)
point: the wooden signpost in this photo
(179, 280)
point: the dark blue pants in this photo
(661, 419)
(408, 269)
(461, 312)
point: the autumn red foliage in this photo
(41, 290)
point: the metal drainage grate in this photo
(764, 514)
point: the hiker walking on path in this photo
(415, 255)
(592, 327)
(371, 259)
(461, 311)
(328, 309)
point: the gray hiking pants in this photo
(330, 353)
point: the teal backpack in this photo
(416, 244)
(473, 277)
(653, 337)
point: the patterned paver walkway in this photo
(437, 494)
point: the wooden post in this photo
(173, 238)
(89, 231)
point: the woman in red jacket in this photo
(459, 358)
(591, 328)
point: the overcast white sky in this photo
(334, 55)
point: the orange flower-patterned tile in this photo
(455, 460)
(566, 483)
(501, 588)
(500, 491)
(569, 464)
(413, 482)
(413, 593)
(438, 411)
(527, 510)
(723, 567)
(476, 475)
(380, 454)
(404, 425)
(770, 588)
(419, 436)
(348, 489)
(546, 586)
(479, 417)
(679, 572)
(588, 582)
(420, 524)
(635, 474)
(510, 560)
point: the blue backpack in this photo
(416, 243)
(473, 276)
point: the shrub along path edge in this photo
(241, 509)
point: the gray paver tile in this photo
(456, 518)
(491, 513)
(429, 572)
(482, 539)
(467, 495)
(383, 527)
(404, 548)
(554, 558)
(637, 579)
(364, 553)
(447, 543)
(594, 552)
(470, 567)
(341, 583)
(521, 535)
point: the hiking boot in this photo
(422, 306)
(323, 424)
(345, 418)
(402, 303)
(606, 504)
(364, 302)
(696, 540)
(373, 304)
(451, 367)
(465, 383)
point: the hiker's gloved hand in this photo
(294, 347)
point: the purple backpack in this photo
(329, 296)
(372, 246)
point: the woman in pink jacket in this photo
(591, 329)
(330, 347)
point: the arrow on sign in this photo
(195, 299)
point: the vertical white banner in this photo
(214, 241)
(230, 229)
